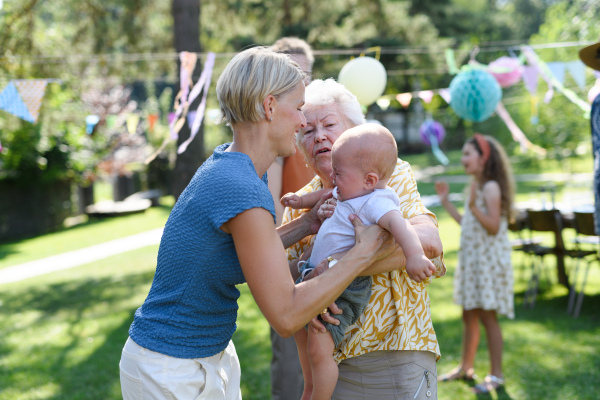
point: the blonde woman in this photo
(221, 233)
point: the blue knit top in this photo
(191, 309)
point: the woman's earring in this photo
(271, 119)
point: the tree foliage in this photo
(81, 42)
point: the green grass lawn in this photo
(61, 334)
(94, 231)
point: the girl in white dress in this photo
(483, 282)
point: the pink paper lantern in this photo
(506, 70)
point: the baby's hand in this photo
(292, 200)
(419, 267)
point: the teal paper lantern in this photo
(474, 94)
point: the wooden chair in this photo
(542, 221)
(586, 236)
(523, 243)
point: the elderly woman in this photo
(221, 233)
(391, 351)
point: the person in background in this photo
(590, 56)
(288, 174)
(391, 351)
(483, 281)
(221, 233)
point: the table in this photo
(560, 251)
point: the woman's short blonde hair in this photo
(249, 78)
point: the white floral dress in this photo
(484, 276)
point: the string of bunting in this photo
(185, 98)
(23, 98)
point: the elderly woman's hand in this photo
(326, 210)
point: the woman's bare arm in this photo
(288, 307)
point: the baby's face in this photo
(347, 175)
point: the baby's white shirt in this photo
(337, 232)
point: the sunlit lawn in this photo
(92, 232)
(61, 334)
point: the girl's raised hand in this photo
(442, 189)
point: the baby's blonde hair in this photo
(249, 78)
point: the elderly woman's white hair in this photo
(321, 92)
(249, 78)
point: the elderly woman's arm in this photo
(307, 224)
(262, 258)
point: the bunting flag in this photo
(23, 98)
(451, 62)
(90, 123)
(558, 70)
(534, 110)
(530, 79)
(516, 132)
(132, 123)
(152, 118)
(404, 99)
(547, 74)
(11, 102)
(426, 95)
(111, 121)
(445, 93)
(577, 70)
(535, 62)
(32, 92)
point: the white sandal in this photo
(490, 382)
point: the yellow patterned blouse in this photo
(397, 316)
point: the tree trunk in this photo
(186, 26)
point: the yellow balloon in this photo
(365, 77)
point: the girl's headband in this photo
(484, 145)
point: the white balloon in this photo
(365, 77)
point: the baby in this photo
(363, 159)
